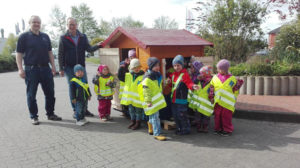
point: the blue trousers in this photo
(69, 72)
(182, 121)
(155, 121)
(34, 77)
(135, 113)
(80, 108)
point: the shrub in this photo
(7, 63)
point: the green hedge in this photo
(7, 63)
(265, 69)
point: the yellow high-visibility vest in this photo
(102, 89)
(200, 102)
(130, 94)
(85, 86)
(157, 99)
(224, 95)
(121, 89)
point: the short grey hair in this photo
(33, 17)
(71, 18)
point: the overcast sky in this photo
(12, 11)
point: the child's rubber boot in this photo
(131, 124)
(137, 125)
(150, 128)
(160, 138)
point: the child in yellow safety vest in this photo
(224, 92)
(104, 84)
(130, 96)
(80, 94)
(200, 101)
(153, 98)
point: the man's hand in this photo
(74, 101)
(62, 73)
(89, 98)
(168, 81)
(100, 44)
(149, 104)
(22, 73)
(53, 71)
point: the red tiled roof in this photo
(158, 37)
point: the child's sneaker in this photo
(160, 138)
(80, 123)
(225, 134)
(217, 132)
(84, 121)
(104, 119)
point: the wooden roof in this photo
(158, 37)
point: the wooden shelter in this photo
(155, 42)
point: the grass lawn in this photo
(95, 60)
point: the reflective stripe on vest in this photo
(121, 89)
(130, 95)
(158, 100)
(176, 83)
(200, 101)
(85, 86)
(224, 95)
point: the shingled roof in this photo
(158, 37)
(275, 31)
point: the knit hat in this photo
(152, 61)
(134, 63)
(178, 60)
(131, 53)
(223, 65)
(101, 67)
(206, 70)
(78, 67)
(197, 65)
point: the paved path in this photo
(63, 144)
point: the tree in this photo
(58, 23)
(287, 46)
(164, 22)
(105, 28)
(86, 22)
(10, 45)
(126, 22)
(279, 6)
(231, 25)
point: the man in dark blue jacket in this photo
(71, 51)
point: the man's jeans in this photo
(44, 76)
(69, 72)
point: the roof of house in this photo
(275, 31)
(158, 37)
(2, 44)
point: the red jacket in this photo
(180, 94)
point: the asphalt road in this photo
(98, 144)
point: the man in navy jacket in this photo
(71, 51)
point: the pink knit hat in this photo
(223, 65)
(131, 53)
(206, 70)
(101, 67)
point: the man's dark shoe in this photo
(35, 121)
(54, 118)
(89, 114)
(225, 134)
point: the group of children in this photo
(142, 92)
